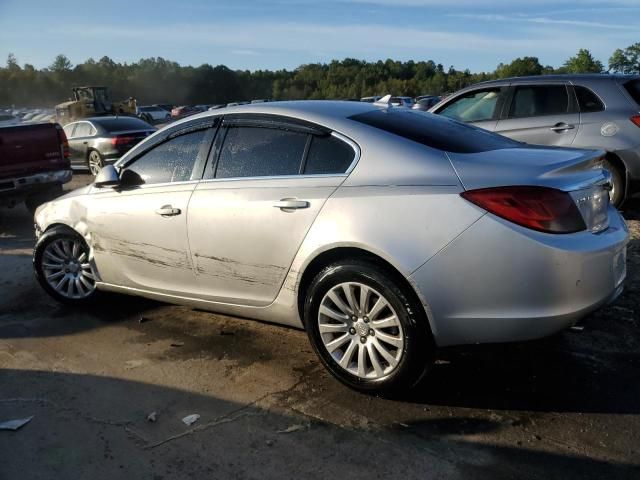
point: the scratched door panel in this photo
(242, 245)
(135, 246)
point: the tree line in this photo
(157, 80)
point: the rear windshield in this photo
(123, 123)
(435, 131)
(633, 87)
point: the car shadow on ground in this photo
(87, 426)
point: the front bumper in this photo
(498, 282)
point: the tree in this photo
(627, 60)
(61, 64)
(582, 62)
(12, 63)
(520, 67)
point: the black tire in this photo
(617, 195)
(50, 236)
(419, 348)
(34, 201)
(94, 160)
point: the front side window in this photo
(475, 106)
(539, 100)
(68, 129)
(260, 152)
(328, 155)
(171, 161)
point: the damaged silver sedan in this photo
(384, 232)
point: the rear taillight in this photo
(117, 141)
(539, 208)
(63, 142)
(636, 120)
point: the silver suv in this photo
(584, 111)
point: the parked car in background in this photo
(98, 141)
(151, 114)
(389, 100)
(424, 103)
(7, 119)
(184, 111)
(165, 106)
(34, 164)
(586, 111)
(293, 213)
(217, 107)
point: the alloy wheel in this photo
(67, 270)
(360, 330)
(95, 163)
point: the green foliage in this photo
(157, 80)
(583, 62)
(627, 60)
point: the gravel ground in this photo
(564, 407)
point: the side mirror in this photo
(107, 177)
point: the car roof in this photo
(317, 111)
(561, 77)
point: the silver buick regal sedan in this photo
(383, 232)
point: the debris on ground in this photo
(577, 328)
(191, 419)
(15, 424)
(142, 319)
(131, 364)
(177, 344)
(152, 417)
(294, 428)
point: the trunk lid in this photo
(578, 172)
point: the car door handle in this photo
(84, 143)
(291, 204)
(168, 211)
(562, 127)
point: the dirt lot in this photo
(565, 407)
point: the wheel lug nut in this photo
(366, 319)
(372, 332)
(352, 331)
(363, 339)
(354, 318)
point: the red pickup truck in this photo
(34, 164)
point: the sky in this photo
(276, 34)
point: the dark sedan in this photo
(98, 141)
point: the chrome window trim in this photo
(347, 172)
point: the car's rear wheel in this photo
(365, 327)
(95, 162)
(62, 267)
(616, 195)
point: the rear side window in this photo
(260, 152)
(171, 161)
(328, 155)
(633, 88)
(587, 100)
(539, 100)
(435, 131)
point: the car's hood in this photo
(562, 168)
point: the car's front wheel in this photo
(366, 328)
(95, 162)
(62, 267)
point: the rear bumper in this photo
(498, 282)
(13, 190)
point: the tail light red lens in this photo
(64, 143)
(117, 141)
(636, 120)
(539, 208)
